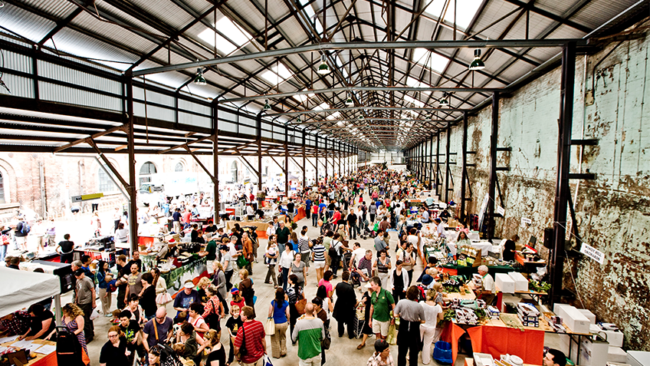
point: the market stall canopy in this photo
(20, 289)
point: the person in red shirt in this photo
(251, 332)
(335, 219)
(187, 215)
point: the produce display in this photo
(539, 286)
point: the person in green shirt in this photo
(211, 248)
(382, 304)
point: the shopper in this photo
(432, 315)
(352, 224)
(299, 269)
(252, 336)
(65, 249)
(133, 333)
(309, 332)
(304, 247)
(286, 260)
(159, 283)
(186, 297)
(158, 330)
(226, 264)
(283, 235)
(344, 308)
(233, 324)
(382, 304)
(294, 293)
(115, 351)
(134, 284)
(318, 257)
(279, 312)
(121, 234)
(221, 285)
(186, 338)
(148, 297)
(398, 281)
(271, 257)
(411, 314)
(217, 353)
(246, 287)
(381, 356)
(213, 309)
(73, 319)
(85, 300)
(382, 268)
(325, 281)
(104, 276)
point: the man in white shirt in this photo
(357, 254)
(441, 228)
(425, 215)
(488, 293)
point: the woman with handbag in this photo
(159, 283)
(297, 301)
(213, 309)
(279, 315)
(221, 284)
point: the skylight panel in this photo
(413, 101)
(277, 74)
(334, 115)
(303, 97)
(282, 70)
(223, 45)
(463, 18)
(271, 77)
(322, 107)
(232, 31)
(434, 61)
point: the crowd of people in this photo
(366, 291)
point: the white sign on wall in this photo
(592, 253)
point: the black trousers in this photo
(408, 340)
(398, 294)
(89, 328)
(350, 325)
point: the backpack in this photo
(25, 228)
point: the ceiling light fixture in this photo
(477, 64)
(444, 103)
(198, 78)
(299, 120)
(267, 106)
(323, 68)
(349, 102)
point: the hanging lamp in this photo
(267, 106)
(199, 79)
(444, 103)
(323, 68)
(349, 102)
(477, 64)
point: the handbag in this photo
(242, 262)
(242, 349)
(300, 306)
(212, 319)
(269, 327)
(267, 361)
(327, 341)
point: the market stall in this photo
(19, 294)
(260, 227)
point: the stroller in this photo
(364, 230)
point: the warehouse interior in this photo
(528, 110)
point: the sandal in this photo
(361, 346)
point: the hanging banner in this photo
(501, 211)
(592, 253)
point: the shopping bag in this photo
(242, 262)
(391, 338)
(95, 314)
(267, 361)
(376, 226)
(269, 327)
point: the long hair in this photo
(73, 310)
(156, 276)
(279, 297)
(100, 265)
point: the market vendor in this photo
(250, 212)
(488, 291)
(554, 357)
(425, 215)
(441, 228)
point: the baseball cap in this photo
(234, 291)
(188, 284)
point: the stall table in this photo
(470, 362)
(485, 248)
(260, 227)
(40, 360)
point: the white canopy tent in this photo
(20, 289)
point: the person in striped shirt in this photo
(251, 332)
(318, 257)
(309, 332)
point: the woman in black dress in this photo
(217, 355)
(367, 330)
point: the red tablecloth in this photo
(451, 333)
(49, 360)
(300, 215)
(497, 341)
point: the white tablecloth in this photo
(484, 247)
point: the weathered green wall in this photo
(612, 212)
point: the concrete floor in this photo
(343, 350)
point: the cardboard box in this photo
(521, 283)
(575, 320)
(558, 309)
(614, 338)
(505, 283)
(616, 354)
(589, 315)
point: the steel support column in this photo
(304, 163)
(133, 211)
(562, 190)
(215, 163)
(438, 165)
(431, 171)
(447, 164)
(258, 126)
(463, 178)
(286, 161)
(494, 139)
(326, 154)
(316, 165)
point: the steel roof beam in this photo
(364, 107)
(365, 45)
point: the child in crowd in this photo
(233, 324)
(237, 300)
